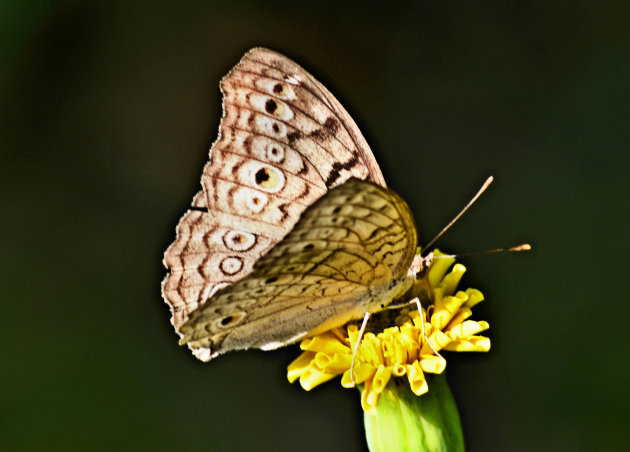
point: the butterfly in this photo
(293, 232)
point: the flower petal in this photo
(369, 398)
(381, 378)
(467, 328)
(438, 268)
(458, 318)
(450, 281)
(299, 365)
(433, 364)
(438, 340)
(417, 382)
(312, 377)
(328, 342)
(471, 344)
(446, 308)
(362, 372)
(335, 363)
(474, 297)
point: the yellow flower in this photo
(398, 351)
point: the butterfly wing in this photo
(283, 141)
(348, 254)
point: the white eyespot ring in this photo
(231, 265)
(231, 320)
(265, 177)
(256, 201)
(271, 127)
(281, 90)
(239, 240)
(274, 152)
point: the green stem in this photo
(406, 422)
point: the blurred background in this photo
(108, 110)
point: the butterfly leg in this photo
(356, 346)
(417, 301)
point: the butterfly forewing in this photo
(283, 141)
(348, 254)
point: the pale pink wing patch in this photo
(283, 141)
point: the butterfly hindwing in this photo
(348, 254)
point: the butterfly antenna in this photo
(356, 346)
(485, 185)
(522, 247)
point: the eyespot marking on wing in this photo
(271, 106)
(271, 127)
(275, 88)
(264, 177)
(239, 240)
(267, 179)
(303, 149)
(231, 265)
(231, 320)
(275, 152)
(256, 202)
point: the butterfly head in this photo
(420, 264)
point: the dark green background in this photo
(108, 109)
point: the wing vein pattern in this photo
(324, 273)
(283, 142)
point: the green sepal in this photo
(405, 422)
